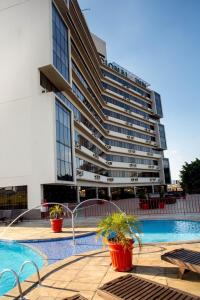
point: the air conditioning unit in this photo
(108, 146)
(132, 137)
(96, 156)
(77, 146)
(132, 165)
(107, 131)
(130, 124)
(79, 172)
(109, 162)
(133, 151)
(110, 179)
(129, 151)
(149, 153)
(97, 177)
(134, 179)
(128, 136)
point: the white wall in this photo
(27, 117)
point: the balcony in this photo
(55, 77)
(92, 177)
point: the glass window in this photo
(158, 105)
(60, 44)
(63, 143)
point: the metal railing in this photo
(36, 267)
(17, 280)
(17, 276)
(155, 206)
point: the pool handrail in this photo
(36, 267)
(16, 278)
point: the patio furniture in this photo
(186, 260)
(130, 287)
(5, 216)
(75, 297)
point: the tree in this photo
(190, 177)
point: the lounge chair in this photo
(5, 216)
(2, 217)
(75, 297)
(186, 260)
(131, 287)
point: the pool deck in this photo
(40, 229)
(85, 273)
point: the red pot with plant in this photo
(56, 213)
(162, 204)
(118, 231)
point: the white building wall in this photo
(27, 117)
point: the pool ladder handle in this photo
(18, 275)
(17, 280)
(36, 267)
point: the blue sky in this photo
(160, 42)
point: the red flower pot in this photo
(145, 205)
(56, 225)
(161, 205)
(121, 257)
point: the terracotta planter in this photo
(161, 205)
(145, 205)
(56, 225)
(121, 257)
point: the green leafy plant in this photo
(142, 194)
(119, 228)
(56, 212)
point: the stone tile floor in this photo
(85, 273)
(39, 230)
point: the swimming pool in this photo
(154, 231)
(12, 256)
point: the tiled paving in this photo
(37, 230)
(85, 273)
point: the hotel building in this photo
(72, 125)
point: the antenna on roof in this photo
(85, 9)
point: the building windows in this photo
(126, 84)
(158, 105)
(129, 132)
(125, 95)
(63, 143)
(60, 44)
(127, 159)
(126, 106)
(126, 119)
(163, 143)
(167, 170)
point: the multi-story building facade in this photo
(72, 124)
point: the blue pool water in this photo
(12, 256)
(153, 231)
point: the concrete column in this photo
(109, 193)
(97, 193)
(152, 189)
(135, 190)
(78, 193)
(35, 194)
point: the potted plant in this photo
(56, 219)
(144, 203)
(162, 201)
(119, 231)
